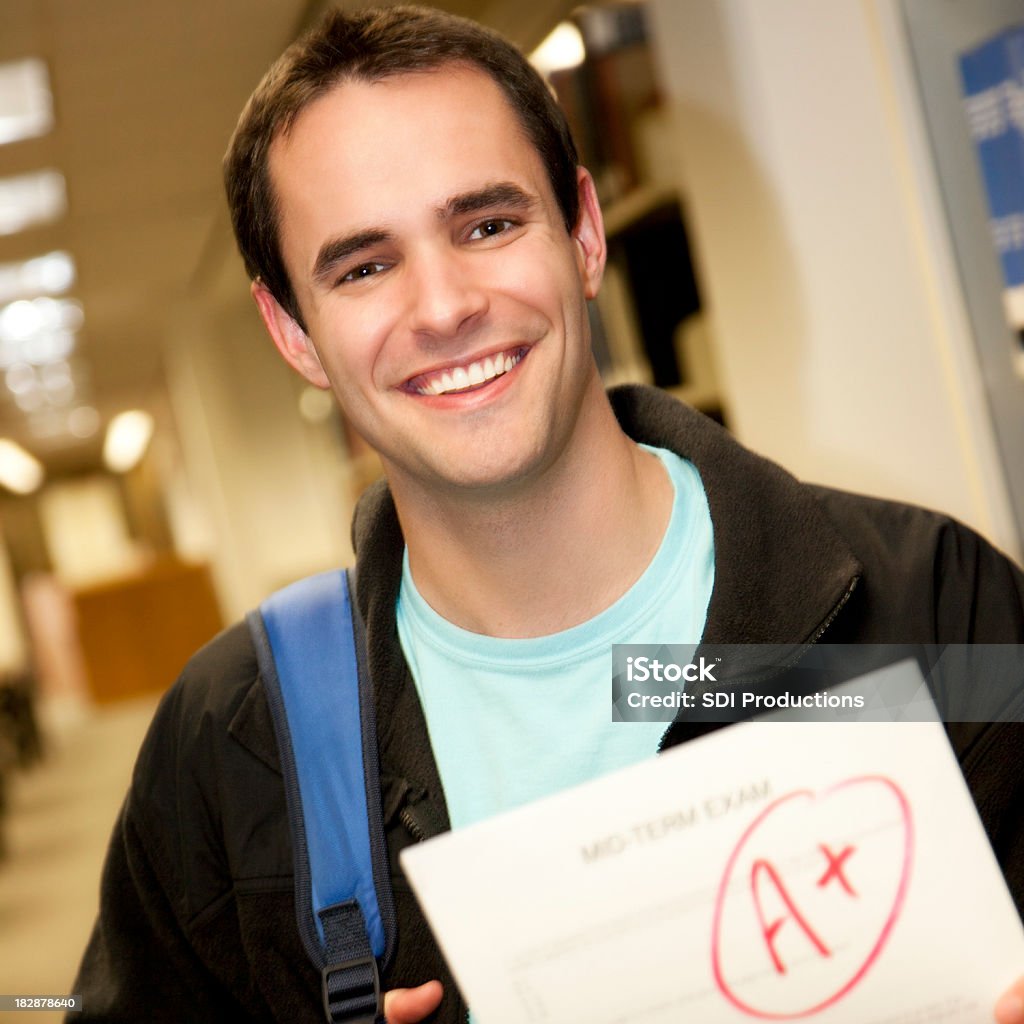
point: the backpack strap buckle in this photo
(351, 991)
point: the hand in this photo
(1010, 1008)
(411, 1005)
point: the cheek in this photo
(352, 345)
(550, 285)
(569, 294)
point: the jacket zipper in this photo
(820, 631)
(420, 833)
(835, 611)
(414, 827)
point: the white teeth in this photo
(461, 377)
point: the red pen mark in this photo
(769, 931)
(790, 938)
(835, 868)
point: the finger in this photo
(411, 1005)
(1010, 1008)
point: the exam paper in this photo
(833, 872)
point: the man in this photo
(422, 241)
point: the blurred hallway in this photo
(60, 816)
(778, 158)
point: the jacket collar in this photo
(781, 568)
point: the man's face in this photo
(443, 297)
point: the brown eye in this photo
(362, 271)
(490, 228)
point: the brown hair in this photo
(370, 45)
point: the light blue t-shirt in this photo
(513, 720)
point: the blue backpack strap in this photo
(311, 652)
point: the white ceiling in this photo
(146, 95)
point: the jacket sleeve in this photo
(980, 591)
(980, 601)
(139, 964)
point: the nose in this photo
(446, 297)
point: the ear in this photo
(592, 250)
(291, 340)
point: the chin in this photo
(498, 476)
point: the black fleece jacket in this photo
(197, 919)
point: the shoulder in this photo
(882, 529)
(890, 532)
(195, 714)
(208, 773)
(927, 568)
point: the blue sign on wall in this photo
(993, 83)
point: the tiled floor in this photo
(57, 826)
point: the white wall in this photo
(821, 251)
(278, 509)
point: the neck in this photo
(550, 553)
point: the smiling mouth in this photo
(455, 380)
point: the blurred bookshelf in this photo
(648, 322)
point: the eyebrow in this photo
(336, 250)
(501, 194)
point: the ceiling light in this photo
(26, 104)
(55, 376)
(48, 347)
(562, 49)
(60, 393)
(83, 421)
(126, 441)
(30, 199)
(19, 471)
(20, 377)
(51, 274)
(31, 400)
(38, 331)
(25, 318)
